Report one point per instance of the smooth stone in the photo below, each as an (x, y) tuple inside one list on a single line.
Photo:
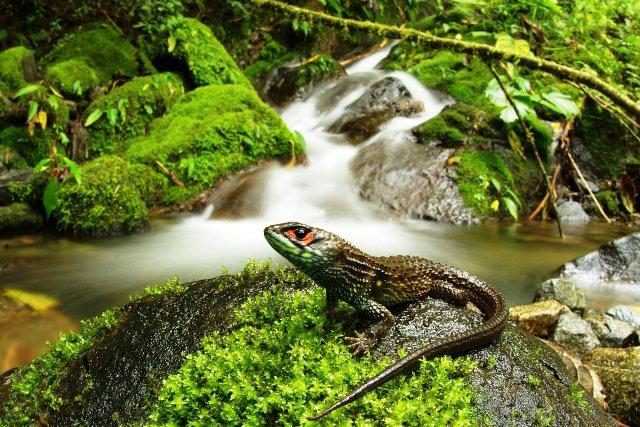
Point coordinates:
[(539, 318), (575, 333), (562, 290)]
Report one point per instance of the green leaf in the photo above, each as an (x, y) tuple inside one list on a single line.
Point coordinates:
[(514, 197), (50, 197), (511, 207), (53, 102), (148, 109), (122, 107), (26, 90), (112, 116), (560, 103), (42, 164), (506, 42), (496, 184), (74, 169), (93, 117), (33, 109), (171, 41)]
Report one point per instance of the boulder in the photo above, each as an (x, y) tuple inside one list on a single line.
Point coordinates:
[(575, 333), (617, 261), (570, 211), (626, 314), (562, 290), (539, 318), (610, 331), (619, 369), (18, 218), (10, 182), (17, 69), (384, 100), (122, 375), (411, 180)]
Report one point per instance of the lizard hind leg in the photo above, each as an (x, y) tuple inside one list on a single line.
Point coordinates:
[(361, 343)]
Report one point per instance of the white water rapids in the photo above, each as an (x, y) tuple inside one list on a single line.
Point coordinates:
[(89, 276)]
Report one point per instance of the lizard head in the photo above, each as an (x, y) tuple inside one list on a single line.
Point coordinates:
[(305, 246)]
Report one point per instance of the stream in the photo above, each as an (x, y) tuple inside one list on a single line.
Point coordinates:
[(88, 276)]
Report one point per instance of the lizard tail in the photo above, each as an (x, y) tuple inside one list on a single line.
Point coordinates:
[(475, 337)]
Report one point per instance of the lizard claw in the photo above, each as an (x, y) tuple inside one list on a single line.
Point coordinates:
[(361, 343)]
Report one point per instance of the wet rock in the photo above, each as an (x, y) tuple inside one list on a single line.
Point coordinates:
[(575, 333), (619, 369), (617, 261), (18, 218), (330, 97), (515, 377), (539, 318), (296, 79), (411, 180), (570, 211), (562, 290), (626, 314), (383, 101), (9, 181), (621, 334)]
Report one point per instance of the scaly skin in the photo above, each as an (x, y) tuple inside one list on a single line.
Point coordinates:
[(371, 284)]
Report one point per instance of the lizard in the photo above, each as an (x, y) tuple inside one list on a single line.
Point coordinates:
[(371, 284)]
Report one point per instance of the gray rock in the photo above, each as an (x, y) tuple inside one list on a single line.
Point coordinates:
[(383, 101), (411, 180), (621, 334), (120, 373), (574, 332), (617, 261), (626, 314), (570, 211), (562, 290)]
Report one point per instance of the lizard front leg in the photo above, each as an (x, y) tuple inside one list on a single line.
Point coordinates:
[(363, 342)]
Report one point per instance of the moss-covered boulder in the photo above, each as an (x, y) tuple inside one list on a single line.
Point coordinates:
[(256, 348), (111, 198), (127, 111), (211, 132), (18, 218), (17, 68), (32, 148), (11, 159), (90, 56), (207, 60)]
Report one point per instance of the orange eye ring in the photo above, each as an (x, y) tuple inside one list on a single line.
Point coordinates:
[(305, 239)]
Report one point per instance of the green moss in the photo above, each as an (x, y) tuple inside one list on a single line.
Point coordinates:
[(211, 132), (98, 53), (11, 158), (610, 202), (12, 68), (18, 218), (284, 363), (533, 381), (128, 110), (65, 74), (475, 171), (32, 387), (31, 148), (110, 199), (577, 394), (206, 58)]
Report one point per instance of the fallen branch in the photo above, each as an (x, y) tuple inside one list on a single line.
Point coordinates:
[(172, 176), (484, 51), (585, 185)]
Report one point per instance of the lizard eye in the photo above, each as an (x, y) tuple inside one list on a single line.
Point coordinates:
[(301, 234)]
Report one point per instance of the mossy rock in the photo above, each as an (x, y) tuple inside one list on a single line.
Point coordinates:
[(610, 202), (11, 158), (256, 348), (17, 69), (110, 199), (207, 60), (31, 148), (211, 132), (128, 110), (92, 56), (18, 218)]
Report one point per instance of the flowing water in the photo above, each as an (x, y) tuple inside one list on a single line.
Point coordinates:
[(90, 275)]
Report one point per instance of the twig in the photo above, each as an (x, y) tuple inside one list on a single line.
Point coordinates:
[(529, 137), (545, 199), (584, 182), (172, 176), (110, 20)]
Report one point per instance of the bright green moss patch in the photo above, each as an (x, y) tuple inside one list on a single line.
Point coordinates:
[(13, 63), (128, 110), (92, 56), (33, 387), (110, 199), (284, 363), (211, 132), (206, 58), (475, 171), (609, 201)]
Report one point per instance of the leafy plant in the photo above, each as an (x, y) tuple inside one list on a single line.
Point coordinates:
[(41, 98), (59, 168)]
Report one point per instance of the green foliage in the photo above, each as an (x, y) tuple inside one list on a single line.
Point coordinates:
[(17, 218), (31, 148), (90, 56), (211, 132), (12, 68), (172, 285), (110, 199), (486, 183), (317, 69), (32, 387), (207, 60), (60, 169), (610, 202), (283, 363), (126, 111)]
